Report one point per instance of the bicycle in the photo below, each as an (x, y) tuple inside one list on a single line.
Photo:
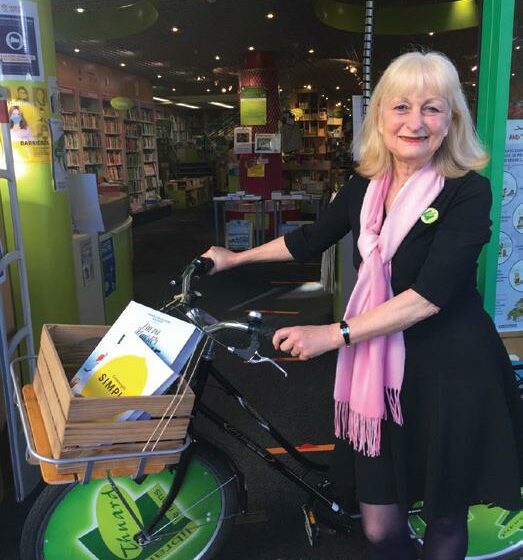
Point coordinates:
[(186, 512)]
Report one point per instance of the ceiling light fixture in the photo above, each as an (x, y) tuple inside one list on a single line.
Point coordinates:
[(218, 104), (311, 51), (173, 89), (208, 90), (518, 47), (431, 33), (270, 15), (163, 100), (251, 48), (217, 57), (199, 79), (337, 87), (76, 50), (158, 75), (224, 90), (175, 29), (122, 63), (308, 86), (473, 85), (352, 69), (229, 88), (474, 68), (80, 10), (187, 105)]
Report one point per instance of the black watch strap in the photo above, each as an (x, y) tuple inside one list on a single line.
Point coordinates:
[(345, 331)]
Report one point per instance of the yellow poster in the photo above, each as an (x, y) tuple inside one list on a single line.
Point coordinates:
[(28, 111), (255, 169)]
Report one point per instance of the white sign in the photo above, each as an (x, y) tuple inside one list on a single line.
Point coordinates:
[(243, 140), (509, 282), (20, 48), (267, 143)]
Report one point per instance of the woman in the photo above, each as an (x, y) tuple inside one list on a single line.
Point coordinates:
[(18, 125), (425, 395)]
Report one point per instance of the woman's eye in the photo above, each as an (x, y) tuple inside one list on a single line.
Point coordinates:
[(401, 107), (432, 109)]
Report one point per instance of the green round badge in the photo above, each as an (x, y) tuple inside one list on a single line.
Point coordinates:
[(429, 216)]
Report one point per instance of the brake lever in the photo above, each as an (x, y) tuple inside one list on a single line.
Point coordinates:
[(257, 359)]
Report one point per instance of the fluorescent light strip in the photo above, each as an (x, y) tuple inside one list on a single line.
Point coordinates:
[(218, 104), (163, 100), (187, 105)]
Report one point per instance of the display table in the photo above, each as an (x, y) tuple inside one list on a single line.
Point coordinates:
[(219, 203), (277, 198)]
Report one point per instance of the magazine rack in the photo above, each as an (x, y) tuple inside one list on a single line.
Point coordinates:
[(79, 438)]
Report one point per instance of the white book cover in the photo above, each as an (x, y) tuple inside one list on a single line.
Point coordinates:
[(173, 340)]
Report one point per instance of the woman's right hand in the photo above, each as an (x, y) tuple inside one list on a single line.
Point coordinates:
[(223, 258)]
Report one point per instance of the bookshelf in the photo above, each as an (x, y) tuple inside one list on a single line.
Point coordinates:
[(114, 159), (71, 131)]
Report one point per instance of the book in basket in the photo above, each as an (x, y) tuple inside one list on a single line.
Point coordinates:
[(173, 340), (129, 368)]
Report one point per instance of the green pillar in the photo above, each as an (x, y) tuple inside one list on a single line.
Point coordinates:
[(494, 78), (45, 215)]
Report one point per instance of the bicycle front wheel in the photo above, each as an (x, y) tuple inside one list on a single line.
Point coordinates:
[(89, 521)]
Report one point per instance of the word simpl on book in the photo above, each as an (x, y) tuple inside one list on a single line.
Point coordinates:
[(143, 353)]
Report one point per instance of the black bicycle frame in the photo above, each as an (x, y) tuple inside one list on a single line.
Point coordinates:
[(204, 369)]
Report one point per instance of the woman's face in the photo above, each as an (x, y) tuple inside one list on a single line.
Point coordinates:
[(414, 126)]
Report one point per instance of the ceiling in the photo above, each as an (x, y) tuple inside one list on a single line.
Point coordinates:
[(186, 60)]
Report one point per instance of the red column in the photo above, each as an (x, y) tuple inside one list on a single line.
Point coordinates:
[(259, 70)]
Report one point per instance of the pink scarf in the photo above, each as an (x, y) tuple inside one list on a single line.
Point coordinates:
[(368, 371)]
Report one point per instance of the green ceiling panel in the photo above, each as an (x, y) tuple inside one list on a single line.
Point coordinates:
[(400, 20), (107, 23)]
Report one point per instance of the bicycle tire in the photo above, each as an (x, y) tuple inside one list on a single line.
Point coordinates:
[(202, 525)]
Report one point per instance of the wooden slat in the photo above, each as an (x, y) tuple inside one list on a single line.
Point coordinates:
[(57, 415), (42, 445), (154, 464), (119, 448), (55, 368), (91, 433), (83, 409), (47, 418)]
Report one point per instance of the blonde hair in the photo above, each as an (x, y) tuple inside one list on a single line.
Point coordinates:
[(460, 151)]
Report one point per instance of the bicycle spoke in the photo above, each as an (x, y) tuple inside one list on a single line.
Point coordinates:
[(183, 512)]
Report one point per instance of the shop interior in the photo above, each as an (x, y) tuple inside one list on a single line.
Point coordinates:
[(190, 123)]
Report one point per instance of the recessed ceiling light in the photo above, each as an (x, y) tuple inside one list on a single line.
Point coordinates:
[(163, 100), (224, 90), (431, 33), (270, 15), (158, 75), (175, 29), (251, 48), (337, 87), (80, 10), (311, 51), (326, 98), (76, 50), (122, 63), (217, 57), (309, 86), (518, 47), (473, 85), (513, 74), (199, 79), (474, 68), (173, 89), (229, 88), (208, 90), (352, 69)]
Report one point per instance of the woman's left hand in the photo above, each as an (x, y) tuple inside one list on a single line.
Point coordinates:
[(308, 341)]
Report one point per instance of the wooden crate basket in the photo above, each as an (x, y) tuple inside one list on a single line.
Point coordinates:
[(81, 426)]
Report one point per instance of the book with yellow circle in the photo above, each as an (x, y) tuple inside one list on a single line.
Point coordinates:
[(130, 368)]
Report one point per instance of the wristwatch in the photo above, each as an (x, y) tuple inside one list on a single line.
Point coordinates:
[(345, 332)]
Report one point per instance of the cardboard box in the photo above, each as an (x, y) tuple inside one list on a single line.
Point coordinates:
[(80, 426)]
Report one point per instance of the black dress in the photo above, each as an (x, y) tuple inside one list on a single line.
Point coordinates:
[(462, 438)]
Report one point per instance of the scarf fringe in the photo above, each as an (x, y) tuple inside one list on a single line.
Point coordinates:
[(363, 432), (393, 398)]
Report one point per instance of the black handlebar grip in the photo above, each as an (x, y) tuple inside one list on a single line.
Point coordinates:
[(266, 331), (203, 265)]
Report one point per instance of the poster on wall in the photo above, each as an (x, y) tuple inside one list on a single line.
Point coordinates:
[(58, 163), (253, 106), (243, 140), (108, 265), (509, 281), (28, 108), (266, 143), (20, 48)]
